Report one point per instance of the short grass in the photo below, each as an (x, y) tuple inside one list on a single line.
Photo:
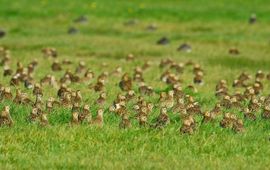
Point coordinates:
[(211, 27)]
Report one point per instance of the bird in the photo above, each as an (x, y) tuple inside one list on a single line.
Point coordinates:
[(259, 75), (126, 83), (152, 27), (34, 114), (15, 80), (138, 74), (44, 119), (56, 66), (163, 41), (85, 114), (184, 47), (66, 100), (266, 112), (75, 118), (51, 102), (102, 98), (145, 90), (258, 87), (222, 84), (81, 19), (216, 110), (28, 83), (252, 19), (178, 91), (131, 22), (188, 126), (167, 99), (226, 102), (238, 83), (254, 105), (6, 93), (163, 119), (48, 79), (62, 90), (147, 64), (72, 30), (81, 67), (234, 51), (7, 71), (74, 78), (130, 95), (268, 76), (77, 96), (249, 93), (5, 117), (98, 121), (125, 122), (2, 33), (207, 117), (21, 98), (49, 52), (88, 75), (143, 120), (226, 121), (99, 86), (179, 106), (117, 71), (238, 126), (75, 107), (235, 103), (198, 79), (249, 115), (165, 62), (66, 79), (130, 57), (5, 59), (37, 90)]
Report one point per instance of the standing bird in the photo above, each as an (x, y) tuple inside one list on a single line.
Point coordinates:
[(85, 114), (238, 126), (207, 117), (2, 33), (188, 126), (34, 114), (75, 118), (102, 98), (126, 83), (5, 118), (98, 121), (249, 115), (252, 19), (266, 112), (226, 121), (44, 119), (125, 122), (167, 99), (49, 52), (163, 119)]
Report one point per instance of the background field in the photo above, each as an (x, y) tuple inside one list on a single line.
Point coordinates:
[(210, 27)]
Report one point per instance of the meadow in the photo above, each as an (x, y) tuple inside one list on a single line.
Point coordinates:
[(112, 31)]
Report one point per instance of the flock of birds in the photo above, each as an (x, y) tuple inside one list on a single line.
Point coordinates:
[(247, 97)]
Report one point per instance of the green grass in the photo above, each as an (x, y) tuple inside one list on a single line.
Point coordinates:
[(210, 27)]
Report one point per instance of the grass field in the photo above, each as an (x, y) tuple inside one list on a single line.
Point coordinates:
[(210, 27)]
